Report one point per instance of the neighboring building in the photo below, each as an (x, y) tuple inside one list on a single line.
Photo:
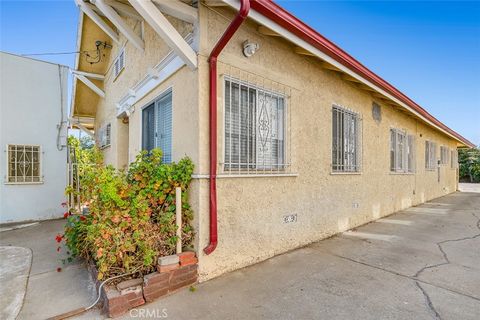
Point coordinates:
[(310, 142), (33, 130)]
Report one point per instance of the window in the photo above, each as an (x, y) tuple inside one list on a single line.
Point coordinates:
[(24, 164), (402, 151), (454, 159), (104, 136), (254, 128), (443, 155), (346, 145), (430, 155), (157, 126), (119, 63)]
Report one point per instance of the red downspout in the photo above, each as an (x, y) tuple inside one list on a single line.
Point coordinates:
[(227, 35)]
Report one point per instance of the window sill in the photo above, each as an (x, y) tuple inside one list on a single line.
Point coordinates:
[(402, 173), (23, 183), (245, 175), (336, 173)]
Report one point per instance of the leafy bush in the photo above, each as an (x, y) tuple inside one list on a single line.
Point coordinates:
[(131, 220), (469, 161)]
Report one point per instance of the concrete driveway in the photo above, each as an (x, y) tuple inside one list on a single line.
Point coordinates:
[(420, 263)]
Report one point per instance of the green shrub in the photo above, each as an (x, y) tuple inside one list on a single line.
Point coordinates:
[(131, 220), (469, 162)]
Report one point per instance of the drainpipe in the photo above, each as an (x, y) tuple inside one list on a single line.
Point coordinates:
[(212, 60)]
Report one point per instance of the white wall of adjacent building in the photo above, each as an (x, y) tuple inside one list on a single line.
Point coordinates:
[(33, 104)]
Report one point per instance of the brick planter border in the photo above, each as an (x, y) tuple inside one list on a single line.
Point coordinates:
[(117, 300)]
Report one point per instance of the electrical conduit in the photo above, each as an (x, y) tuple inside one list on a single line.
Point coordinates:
[(212, 60)]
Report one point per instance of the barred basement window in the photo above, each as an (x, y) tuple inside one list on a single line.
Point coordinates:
[(255, 124), (346, 144), (24, 164), (402, 151), (454, 159), (104, 136), (430, 155), (443, 155)]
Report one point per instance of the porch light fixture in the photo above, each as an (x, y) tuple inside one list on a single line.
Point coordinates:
[(249, 48)]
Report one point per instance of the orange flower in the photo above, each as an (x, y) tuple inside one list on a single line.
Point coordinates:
[(99, 252)]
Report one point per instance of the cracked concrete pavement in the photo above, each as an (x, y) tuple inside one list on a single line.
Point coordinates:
[(419, 263)]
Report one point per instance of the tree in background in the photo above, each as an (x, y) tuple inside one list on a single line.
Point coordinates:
[(86, 142), (469, 161)]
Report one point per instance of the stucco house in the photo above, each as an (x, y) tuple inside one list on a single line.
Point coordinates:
[(293, 139), (33, 132)]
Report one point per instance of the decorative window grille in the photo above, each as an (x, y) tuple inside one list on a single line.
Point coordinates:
[(454, 159), (24, 164), (430, 155), (402, 151), (443, 155), (119, 63), (346, 144), (255, 129), (104, 136)]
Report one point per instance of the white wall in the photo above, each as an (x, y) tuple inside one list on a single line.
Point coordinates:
[(30, 110)]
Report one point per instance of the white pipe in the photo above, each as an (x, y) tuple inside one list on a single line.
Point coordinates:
[(178, 216)]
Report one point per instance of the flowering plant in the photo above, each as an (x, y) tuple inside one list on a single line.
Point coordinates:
[(131, 220)]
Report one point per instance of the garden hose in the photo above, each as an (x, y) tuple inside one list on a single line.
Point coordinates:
[(83, 309)]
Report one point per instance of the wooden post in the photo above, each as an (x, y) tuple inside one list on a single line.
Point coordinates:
[(178, 214)]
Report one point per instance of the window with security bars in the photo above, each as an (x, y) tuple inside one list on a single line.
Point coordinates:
[(443, 155), (24, 164), (430, 155), (402, 151), (254, 129), (346, 144), (105, 136), (454, 159)]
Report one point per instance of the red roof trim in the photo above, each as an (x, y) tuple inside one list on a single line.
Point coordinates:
[(285, 19)]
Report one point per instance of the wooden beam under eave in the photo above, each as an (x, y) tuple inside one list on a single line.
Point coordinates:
[(350, 78), (215, 3), (267, 32), (161, 25), (300, 50), (87, 9), (328, 66), (121, 25), (91, 85), (178, 9)]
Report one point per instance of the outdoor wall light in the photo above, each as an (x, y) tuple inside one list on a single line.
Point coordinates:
[(249, 48)]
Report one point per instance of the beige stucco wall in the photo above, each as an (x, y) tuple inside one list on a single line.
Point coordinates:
[(126, 137), (251, 209)]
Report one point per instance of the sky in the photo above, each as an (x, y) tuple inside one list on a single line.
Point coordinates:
[(429, 50)]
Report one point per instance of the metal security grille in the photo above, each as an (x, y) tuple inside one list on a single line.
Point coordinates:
[(430, 155), (23, 164), (402, 151), (454, 159), (104, 136), (346, 144), (255, 121), (444, 155)]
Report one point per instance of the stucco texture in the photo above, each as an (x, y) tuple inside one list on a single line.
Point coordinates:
[(251, 210)]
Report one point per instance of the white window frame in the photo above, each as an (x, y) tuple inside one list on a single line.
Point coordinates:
[(40, 164), (119, 64), (444, 151), (105, 136), (342, 160), (257, 166), (430, 155), (402, 150)]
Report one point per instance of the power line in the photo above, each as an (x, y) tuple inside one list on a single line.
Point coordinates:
[(55, 53)]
